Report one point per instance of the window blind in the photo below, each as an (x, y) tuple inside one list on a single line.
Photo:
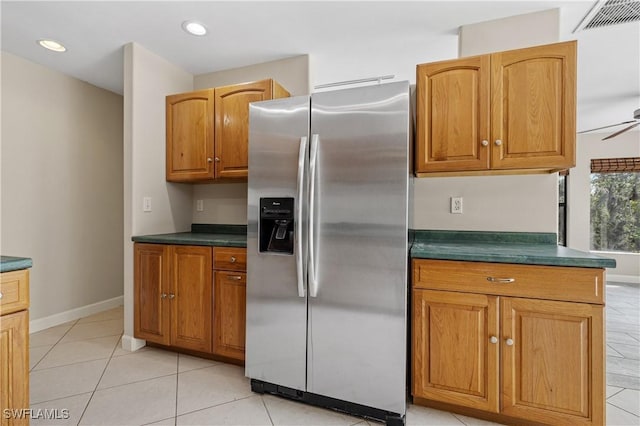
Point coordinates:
[(615, 165)]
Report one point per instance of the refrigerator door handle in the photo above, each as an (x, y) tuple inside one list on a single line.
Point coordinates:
[(313, 163), (302, 154)]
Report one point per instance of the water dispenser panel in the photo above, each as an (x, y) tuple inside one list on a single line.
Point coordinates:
[(276, 225)]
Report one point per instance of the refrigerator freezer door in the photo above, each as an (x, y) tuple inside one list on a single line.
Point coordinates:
[(357, 319), (276, 298)]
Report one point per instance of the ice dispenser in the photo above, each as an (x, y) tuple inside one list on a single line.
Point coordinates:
[(276, 225)]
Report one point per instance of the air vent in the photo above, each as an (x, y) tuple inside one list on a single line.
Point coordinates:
[(614, 12)]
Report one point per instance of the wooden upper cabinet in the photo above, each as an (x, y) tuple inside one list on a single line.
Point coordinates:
[(190, 133), (208, 131), (534, 107), (232, 124), (453, 110), (508, 111)]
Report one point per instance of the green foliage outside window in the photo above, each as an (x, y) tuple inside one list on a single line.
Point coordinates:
[(615, 212)]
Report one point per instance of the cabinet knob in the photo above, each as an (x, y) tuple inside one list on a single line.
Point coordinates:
[(493, 339), (217, 159), (509, 342), (0, 295), (498, 142), (233, 259), (209, 160), (484, 142), (163, 296), (172, 296)]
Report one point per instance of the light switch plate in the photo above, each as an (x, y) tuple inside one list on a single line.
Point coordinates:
[(146, 204), (199, 205)]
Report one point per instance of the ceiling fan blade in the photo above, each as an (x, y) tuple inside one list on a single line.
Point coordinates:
[(621, 131), (606, 127)]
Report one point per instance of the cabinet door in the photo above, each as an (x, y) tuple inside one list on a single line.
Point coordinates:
[(454, 358), (230, 314), (191, 297), (232, 126), (14, 365), (553, 369), (534, 107), (453, 115), (151, 288), (190, 136)]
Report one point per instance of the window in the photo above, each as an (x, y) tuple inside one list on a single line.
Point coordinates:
[(615, 204), (562, 207)]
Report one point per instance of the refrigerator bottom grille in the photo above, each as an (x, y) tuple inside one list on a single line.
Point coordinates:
[(389, 418)]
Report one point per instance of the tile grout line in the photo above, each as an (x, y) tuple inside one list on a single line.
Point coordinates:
[(55, 344), (456, 417), (98, 382), (267, 409), (623, 409), (213, 406), (175, 412), (620, 390)]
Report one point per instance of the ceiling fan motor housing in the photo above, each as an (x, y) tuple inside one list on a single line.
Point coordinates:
[(636, 114)]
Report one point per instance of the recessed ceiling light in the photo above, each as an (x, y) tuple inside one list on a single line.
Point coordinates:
[(52, 45), (194, 28)]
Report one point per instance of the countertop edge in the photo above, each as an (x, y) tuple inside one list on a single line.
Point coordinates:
[(9, 263)]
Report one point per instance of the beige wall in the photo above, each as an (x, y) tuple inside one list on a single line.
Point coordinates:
[(61, 185), (590, 146), (148, 80)]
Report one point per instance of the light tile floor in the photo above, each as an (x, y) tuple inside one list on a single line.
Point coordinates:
[(80, 367)]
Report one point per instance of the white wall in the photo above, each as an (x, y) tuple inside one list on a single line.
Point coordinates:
[(509, 33), (61, 186), (590, 146), (226, 203), (148, 79)]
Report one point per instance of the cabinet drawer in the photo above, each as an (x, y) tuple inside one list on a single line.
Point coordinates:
[(230, 258), (14, 288), (538, 282)]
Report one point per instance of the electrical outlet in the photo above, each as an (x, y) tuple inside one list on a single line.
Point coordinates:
[(146, 204), (199, 205), (456, 205)]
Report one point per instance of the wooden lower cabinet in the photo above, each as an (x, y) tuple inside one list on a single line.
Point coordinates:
[(173, 295), (230, 302), (14, 366), (453, 361), (191, 297), (535, 360), (230, 313)]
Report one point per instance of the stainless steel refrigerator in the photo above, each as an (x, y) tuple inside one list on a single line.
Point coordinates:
[(327, 249)]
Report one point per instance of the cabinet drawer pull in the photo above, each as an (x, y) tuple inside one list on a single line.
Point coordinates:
[(233, 259), (509, 342), (493, 339), (235, 277), (501, 280)]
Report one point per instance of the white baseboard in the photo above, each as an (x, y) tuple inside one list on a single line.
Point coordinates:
[(131, 344), (633, 279), (74, 314)]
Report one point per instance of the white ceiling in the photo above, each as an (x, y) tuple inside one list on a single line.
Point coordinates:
[(244, 33)]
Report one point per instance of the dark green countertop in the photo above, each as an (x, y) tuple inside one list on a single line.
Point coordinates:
[(201, 235), (502, 247), (10, 263)]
